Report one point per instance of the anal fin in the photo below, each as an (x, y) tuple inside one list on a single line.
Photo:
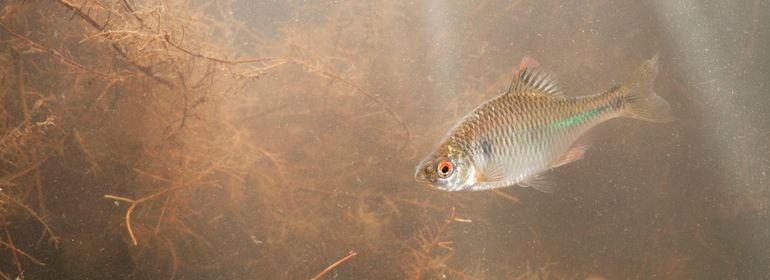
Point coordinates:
[(576, 152)]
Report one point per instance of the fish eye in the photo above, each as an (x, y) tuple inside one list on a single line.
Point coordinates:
[(444, 169)]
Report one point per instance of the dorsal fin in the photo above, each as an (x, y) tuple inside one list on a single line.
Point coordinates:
[(528, 62), (532, 79)]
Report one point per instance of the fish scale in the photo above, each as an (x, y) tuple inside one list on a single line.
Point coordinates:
[(550, 119), (530, 128)]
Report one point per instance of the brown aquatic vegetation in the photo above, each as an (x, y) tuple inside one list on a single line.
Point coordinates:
[(203, 143), (335, 264), (168, 88), (426, 261), (199, 167)]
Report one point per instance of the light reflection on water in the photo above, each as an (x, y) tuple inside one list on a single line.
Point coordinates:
[(278, 167)]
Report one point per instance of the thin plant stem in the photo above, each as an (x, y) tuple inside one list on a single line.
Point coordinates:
[(320, 275)]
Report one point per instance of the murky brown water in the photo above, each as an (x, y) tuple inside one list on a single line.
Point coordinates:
[(240, 140)]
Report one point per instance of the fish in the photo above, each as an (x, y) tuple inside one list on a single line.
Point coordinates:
[(517, 137)]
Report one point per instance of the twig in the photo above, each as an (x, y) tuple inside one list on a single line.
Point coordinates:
[(309, 68), (90, 159), (162, 212), (128, 215), (80, 13), (118, 48), (346, 258), (20, 84), (332, 76), (16, 137), (151, 176), (435, 242), (56, 53), (108, 33), (174, 257), (509, 197), (167, 38), (30, 168), (153, 196), (131, 11), (40, 197), (25, 254), (440, 234), (15, 256), (53, 237), (11, 9)]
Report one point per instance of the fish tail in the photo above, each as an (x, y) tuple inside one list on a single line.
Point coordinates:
[(639, 100)]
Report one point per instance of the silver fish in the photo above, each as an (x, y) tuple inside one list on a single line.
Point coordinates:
[(515, 137)]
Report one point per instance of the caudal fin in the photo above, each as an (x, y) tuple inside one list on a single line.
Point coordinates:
[(641, 102)]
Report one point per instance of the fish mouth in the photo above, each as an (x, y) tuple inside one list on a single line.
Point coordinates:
[(419, 175), (423, 180), (434, 186)]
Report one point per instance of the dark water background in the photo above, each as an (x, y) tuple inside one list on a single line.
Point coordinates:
[(276, 169)]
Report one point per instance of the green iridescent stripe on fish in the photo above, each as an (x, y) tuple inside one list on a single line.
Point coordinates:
[(514, 138), (579, 118)]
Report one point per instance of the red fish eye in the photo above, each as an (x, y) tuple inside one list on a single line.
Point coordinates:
[(444, 168)]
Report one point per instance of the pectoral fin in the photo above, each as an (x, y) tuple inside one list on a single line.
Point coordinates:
[(540, 182), (490, 173)]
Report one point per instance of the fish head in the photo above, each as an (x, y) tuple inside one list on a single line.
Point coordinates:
[(446, 172)]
